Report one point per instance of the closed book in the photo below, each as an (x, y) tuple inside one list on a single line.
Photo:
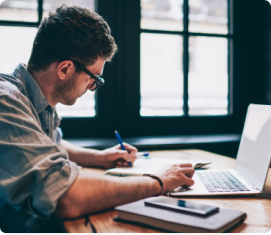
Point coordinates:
[(175, 221)]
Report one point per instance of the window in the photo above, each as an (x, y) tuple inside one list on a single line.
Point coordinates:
[(24, 11), (15, 46), (18, 26), (172, 74), (163, 80), (184, 57)]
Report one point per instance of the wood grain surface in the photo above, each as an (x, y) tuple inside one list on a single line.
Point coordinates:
[(258, 208)]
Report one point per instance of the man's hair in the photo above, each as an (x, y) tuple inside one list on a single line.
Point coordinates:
[(71, 32)]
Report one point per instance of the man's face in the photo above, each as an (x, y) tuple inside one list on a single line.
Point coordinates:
[(78, 84)]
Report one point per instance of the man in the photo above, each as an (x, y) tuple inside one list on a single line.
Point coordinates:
[(39, 174)]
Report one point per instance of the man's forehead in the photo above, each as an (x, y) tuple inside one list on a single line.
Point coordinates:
[(97, 67)]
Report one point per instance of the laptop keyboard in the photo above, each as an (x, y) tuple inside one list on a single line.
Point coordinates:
[(223, 181)]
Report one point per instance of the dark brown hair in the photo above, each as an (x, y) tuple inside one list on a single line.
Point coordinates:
[(71, 32)]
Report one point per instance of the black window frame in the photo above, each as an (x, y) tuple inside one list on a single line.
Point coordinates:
[(128, 120), (118, 101), (186, 34), (26, 23)]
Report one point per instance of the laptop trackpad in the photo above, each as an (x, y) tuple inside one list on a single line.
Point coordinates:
[(181, 189)]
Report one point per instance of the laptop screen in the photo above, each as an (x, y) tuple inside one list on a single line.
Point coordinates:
[(253, 157)]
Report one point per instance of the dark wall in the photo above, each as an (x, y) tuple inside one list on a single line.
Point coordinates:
[(251, 63), (252, 52)]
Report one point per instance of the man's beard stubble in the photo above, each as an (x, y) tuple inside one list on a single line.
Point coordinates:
[(65, 91)]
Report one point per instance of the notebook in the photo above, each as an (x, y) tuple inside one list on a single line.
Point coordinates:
[(150, 166), (138, 212), (252, 164)]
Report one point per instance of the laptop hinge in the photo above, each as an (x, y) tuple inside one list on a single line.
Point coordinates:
[(251, 185), (256, 188)]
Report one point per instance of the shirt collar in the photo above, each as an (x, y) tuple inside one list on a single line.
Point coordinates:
[(34, 93)]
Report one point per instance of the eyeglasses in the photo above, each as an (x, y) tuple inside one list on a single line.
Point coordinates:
[(98, 80)]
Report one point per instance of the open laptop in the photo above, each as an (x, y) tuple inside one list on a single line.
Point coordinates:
[(252, 164)]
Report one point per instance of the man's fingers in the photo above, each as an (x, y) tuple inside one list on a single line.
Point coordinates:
[(122, 163), (133, 159), (189, 172), (187, 182), (125, 156), (185, 165), (129, 148), (128, 157), (130, 153)]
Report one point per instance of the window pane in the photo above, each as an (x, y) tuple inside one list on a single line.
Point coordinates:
[(15, 46), (161, 75), (19, 10), (208, 76), (162, 14), (208, 16), (85, 105), (51, 5)]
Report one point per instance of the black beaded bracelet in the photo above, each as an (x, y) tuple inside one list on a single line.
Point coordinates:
[(158, 179)]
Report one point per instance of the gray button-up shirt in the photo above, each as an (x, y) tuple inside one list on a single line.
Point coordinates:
[(32, 164)]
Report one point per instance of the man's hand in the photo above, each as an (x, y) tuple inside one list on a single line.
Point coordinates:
[(176, 175), (115, 156), (107, 158)]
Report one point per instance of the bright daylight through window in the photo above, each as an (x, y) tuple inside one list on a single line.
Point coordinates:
[(16, 43), (169, 44)]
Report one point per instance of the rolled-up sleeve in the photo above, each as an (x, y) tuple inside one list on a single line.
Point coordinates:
[(31, 165)]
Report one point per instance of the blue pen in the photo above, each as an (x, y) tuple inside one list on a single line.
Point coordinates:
[(121, 144), (143, 154)]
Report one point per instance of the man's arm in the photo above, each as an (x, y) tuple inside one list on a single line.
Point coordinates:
[(107, 158), (31, 165), (91, 193)]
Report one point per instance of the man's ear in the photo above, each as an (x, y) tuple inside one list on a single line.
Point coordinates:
[(65, 69)]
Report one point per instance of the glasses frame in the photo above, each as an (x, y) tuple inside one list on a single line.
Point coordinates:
[(99, 81)]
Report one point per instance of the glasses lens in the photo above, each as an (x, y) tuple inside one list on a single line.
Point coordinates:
[(95, 85), (98, 86)]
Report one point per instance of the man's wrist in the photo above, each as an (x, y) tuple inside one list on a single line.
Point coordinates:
[(159, 181), (94, 158)]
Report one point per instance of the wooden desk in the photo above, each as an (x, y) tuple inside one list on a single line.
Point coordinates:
[(258, 208)]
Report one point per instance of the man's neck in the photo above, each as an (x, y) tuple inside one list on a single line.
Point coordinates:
[(46, 81)]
